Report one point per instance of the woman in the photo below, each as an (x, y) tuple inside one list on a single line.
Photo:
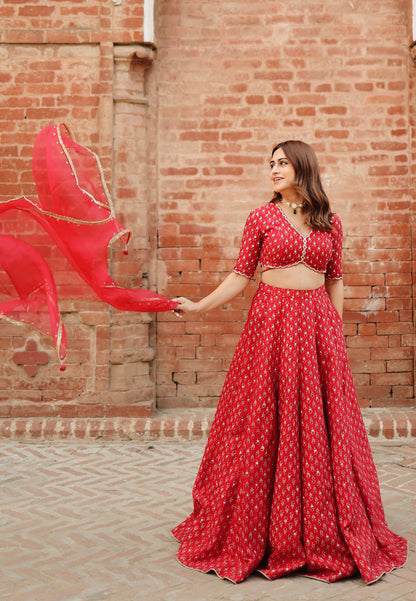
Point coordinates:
[(287, 481)]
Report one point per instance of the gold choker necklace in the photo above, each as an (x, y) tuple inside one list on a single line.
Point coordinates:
[(293, 205)]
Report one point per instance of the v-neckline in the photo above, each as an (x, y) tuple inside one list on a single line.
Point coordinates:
[(292, 224)]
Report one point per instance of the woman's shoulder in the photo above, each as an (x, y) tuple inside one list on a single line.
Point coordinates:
[(336, 221)]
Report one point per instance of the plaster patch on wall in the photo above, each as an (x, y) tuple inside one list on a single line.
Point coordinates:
[(414, 19), (161, 275), (148, 26)]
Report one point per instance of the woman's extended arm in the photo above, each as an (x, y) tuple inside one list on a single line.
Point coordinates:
[(232, 286), (335, 289)]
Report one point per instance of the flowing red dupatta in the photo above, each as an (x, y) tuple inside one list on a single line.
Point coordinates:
[(75, 209)]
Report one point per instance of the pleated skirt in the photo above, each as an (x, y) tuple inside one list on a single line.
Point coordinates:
[(287, 481)]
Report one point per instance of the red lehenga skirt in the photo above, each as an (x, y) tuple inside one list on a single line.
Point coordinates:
[(287, 481)]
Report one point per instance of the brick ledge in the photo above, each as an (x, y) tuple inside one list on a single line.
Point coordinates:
[(178, 425)]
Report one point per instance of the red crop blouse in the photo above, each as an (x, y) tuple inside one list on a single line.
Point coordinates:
[(272, 240)]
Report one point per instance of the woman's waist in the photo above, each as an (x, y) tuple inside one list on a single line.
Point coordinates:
[(297, 277)]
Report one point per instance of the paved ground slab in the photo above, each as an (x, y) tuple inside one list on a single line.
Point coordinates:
[(92, 522)]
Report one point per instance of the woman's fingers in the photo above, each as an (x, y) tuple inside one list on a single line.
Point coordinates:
[(177, 310)]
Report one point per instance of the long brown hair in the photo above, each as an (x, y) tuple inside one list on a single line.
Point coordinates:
[(308, 183)]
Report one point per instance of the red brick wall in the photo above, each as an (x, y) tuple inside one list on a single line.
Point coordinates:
[(70, 21), (184, 133), (234, 77)]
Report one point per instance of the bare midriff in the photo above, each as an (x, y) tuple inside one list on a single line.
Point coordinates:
[(298, 277)]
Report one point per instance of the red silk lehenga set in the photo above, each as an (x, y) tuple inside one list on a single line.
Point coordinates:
[(287, 481)]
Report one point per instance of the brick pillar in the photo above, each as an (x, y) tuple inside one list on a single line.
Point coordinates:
[(130, 351)]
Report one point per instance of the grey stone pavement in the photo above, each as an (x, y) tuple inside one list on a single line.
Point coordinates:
[(91, 522)]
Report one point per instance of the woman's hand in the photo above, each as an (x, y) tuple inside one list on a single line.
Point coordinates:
[(185, 306), (335, 290)]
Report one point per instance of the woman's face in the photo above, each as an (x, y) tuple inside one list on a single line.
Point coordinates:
[(282, 172)]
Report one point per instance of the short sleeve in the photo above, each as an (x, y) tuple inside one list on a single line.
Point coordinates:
[(334, 266), (250, 247)]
